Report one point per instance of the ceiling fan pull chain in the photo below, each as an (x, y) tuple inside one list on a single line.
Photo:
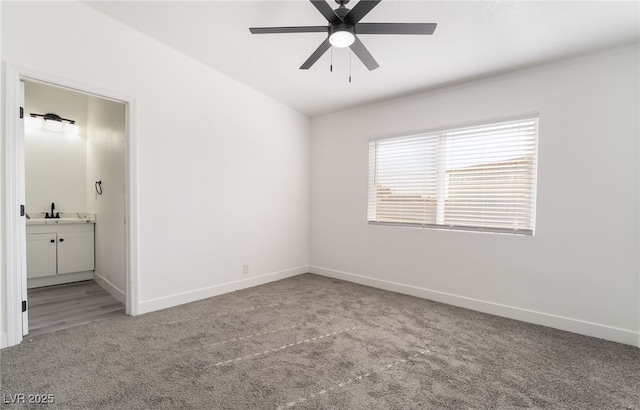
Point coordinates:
[(331, 65), (350, 54)]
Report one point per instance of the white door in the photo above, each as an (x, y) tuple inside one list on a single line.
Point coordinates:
[(22, 228)]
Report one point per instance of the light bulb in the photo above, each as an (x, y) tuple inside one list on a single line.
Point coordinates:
[(71, 129), (53, 125), (34, 122), (342, 39)]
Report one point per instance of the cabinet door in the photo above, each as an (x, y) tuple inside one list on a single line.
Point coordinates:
[(75, 251), (41, 254)]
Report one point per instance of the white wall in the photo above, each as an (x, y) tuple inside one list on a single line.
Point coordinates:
[(579, 272), (55, 162), (106, 162), (223, 171)]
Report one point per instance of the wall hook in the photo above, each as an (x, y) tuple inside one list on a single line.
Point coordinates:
[(99, 187)]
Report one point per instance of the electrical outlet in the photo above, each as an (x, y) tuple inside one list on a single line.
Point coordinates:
[(245, 269)]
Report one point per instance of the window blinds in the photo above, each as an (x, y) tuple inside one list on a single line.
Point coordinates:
[(480, 177)]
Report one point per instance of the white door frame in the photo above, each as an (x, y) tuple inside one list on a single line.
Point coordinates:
[(14, 242)]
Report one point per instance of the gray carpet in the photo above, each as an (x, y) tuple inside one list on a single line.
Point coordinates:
[(313, 342)]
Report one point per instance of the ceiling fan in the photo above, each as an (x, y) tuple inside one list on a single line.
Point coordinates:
[(345, 27)]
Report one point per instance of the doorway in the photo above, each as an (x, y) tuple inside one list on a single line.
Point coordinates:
[(122, 217), (74, 147)]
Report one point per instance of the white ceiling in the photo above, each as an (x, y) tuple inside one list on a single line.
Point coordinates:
[(473, 39)]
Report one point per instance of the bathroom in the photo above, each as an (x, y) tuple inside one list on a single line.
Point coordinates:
[(74, 151)]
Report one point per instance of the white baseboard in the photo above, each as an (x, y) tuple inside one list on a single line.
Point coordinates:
[(187, 297), (614, 334), (112, 289), (59, 279), (4, 341)]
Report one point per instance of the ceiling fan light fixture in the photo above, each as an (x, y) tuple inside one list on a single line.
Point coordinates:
[(342, 39), (342, 35)]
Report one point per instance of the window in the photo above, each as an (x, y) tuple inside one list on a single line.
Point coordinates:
[(480, 177)]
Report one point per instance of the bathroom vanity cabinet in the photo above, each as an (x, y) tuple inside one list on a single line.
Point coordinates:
[(59, 249)]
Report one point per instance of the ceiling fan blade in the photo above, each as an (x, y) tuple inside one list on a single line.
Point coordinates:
[(361, 9), (363, 54), (326, 10), (395, 28), (275, 30), (316, 54)]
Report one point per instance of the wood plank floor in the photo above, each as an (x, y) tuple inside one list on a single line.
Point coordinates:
[(59, 307)]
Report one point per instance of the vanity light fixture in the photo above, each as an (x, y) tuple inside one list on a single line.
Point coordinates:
[(52, 122)]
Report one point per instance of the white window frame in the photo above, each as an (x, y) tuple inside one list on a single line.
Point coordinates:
[(437, 137)]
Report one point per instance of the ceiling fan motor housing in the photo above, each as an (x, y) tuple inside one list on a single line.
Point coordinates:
[(350, 28)]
